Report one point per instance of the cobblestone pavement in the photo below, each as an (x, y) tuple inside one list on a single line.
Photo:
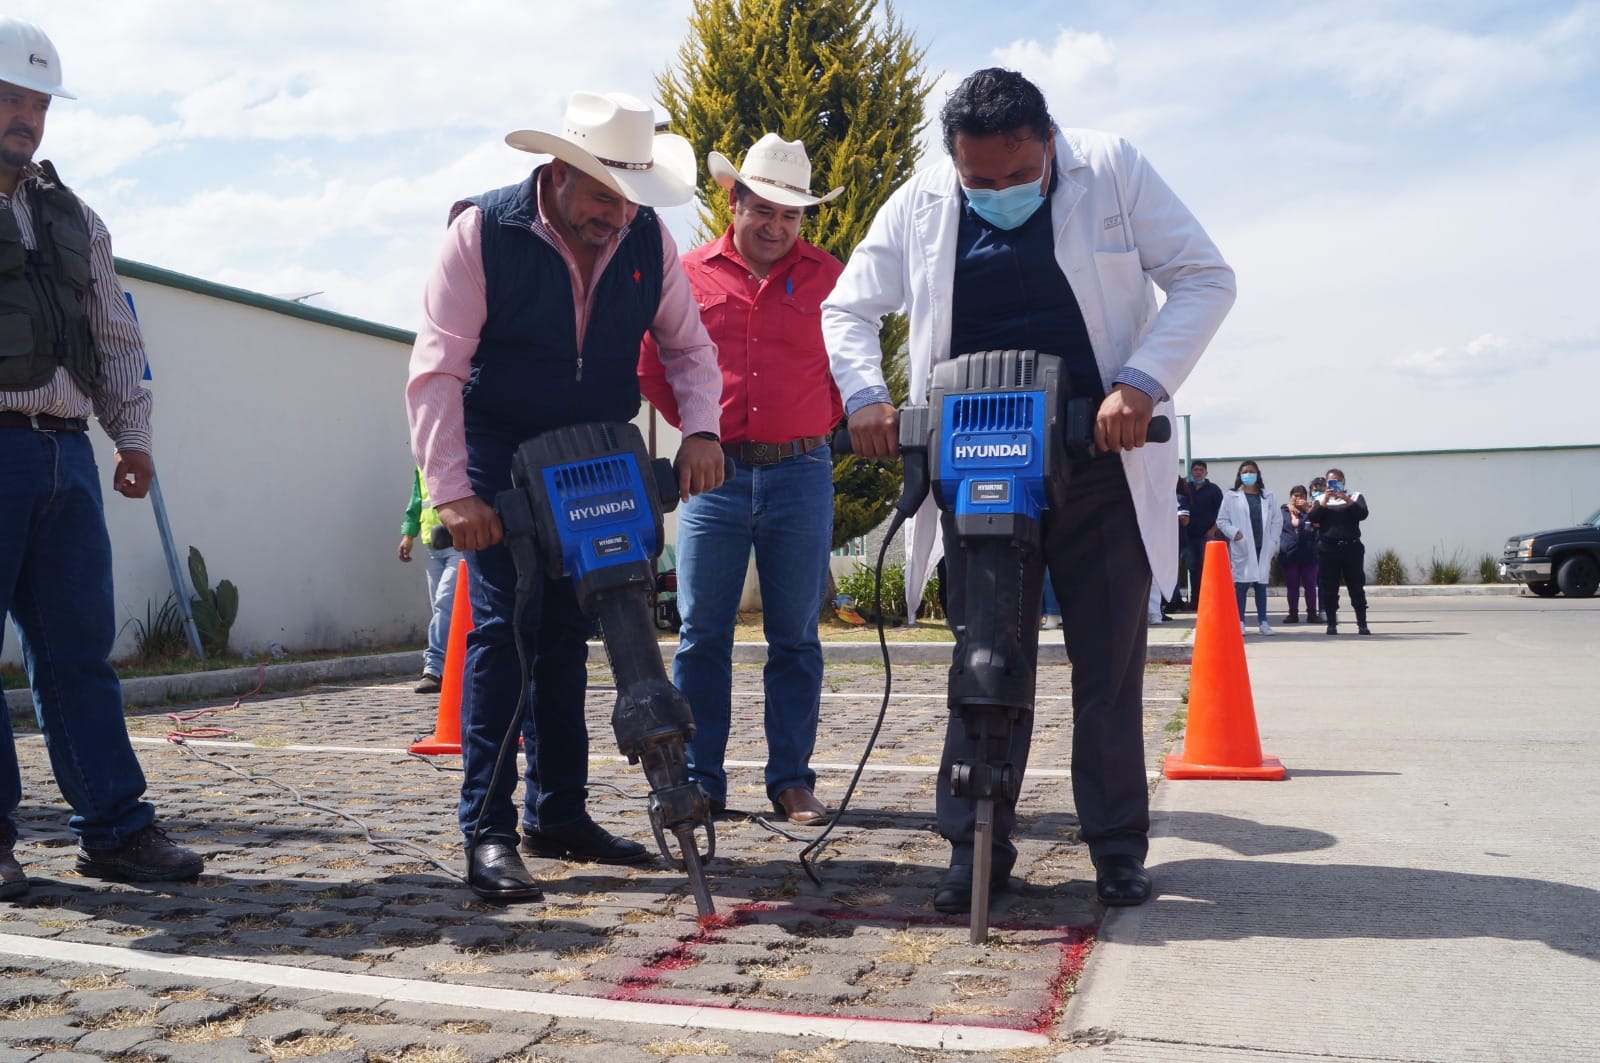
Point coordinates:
[(294, 885)]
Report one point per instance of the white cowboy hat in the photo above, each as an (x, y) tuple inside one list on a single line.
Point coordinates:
[(774, 169), (612, 138)]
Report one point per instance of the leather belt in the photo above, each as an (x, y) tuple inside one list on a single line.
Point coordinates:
[(42, 422), (772, 453)]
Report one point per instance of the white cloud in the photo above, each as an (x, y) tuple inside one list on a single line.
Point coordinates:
[(1433, 70), (1486, 355), (1075, 59)]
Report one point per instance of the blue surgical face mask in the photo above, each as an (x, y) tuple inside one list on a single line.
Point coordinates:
[(1196, 479), (1007, 208), (1248, 479)]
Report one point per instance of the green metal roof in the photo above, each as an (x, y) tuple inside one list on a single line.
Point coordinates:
[(287, 307)]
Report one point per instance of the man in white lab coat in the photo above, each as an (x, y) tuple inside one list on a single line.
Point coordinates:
[(1034, 237)]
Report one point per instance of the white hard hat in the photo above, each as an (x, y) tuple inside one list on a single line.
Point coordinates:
[(28, 59)]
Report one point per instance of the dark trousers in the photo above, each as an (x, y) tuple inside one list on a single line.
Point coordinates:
[(1195, 554), (555, 644), (1098, 569), (55, 581), (1295, 577), (1345, 562)]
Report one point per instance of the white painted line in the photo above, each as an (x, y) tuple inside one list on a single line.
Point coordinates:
[(249, 747), (948, 1036)]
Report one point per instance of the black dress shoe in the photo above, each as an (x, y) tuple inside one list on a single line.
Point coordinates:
[(1121, 880), (585, 840), (954, 892), (148, 856), (495, 873)]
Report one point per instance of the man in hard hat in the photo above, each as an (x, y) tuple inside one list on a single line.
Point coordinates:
[(69, 346), (532, 320), (760, 289)]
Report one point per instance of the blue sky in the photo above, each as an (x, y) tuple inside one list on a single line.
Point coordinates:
[(1407, 190)]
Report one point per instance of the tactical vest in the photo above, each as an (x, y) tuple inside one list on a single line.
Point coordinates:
[(45, 292), (529, 374)]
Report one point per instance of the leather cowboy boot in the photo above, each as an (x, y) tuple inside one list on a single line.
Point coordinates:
[(1361, 623), (1333, 621)]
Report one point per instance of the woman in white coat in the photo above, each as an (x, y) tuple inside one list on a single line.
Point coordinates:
[(1251, 521)]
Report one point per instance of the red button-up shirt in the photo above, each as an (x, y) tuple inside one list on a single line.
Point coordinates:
[(776, 385)]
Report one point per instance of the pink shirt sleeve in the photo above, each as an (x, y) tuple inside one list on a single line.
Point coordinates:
[(688, 356), (454, 307)]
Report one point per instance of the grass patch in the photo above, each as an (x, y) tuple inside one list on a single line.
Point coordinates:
[(688, 1046), (1388, 569), (906, 946), (307, 1046), (1488, 569), (1446, 570)]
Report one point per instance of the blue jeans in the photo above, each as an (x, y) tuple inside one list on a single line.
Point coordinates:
[(1241, 589), (555, 636), (55, 580), (1051, 606), (442, 568), (785, 512)]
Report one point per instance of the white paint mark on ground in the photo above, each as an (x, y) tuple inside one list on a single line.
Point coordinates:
[(947, 1036)]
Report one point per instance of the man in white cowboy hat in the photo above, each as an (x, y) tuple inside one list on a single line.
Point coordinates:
[(71, 347), (532, 320), (760, 288)]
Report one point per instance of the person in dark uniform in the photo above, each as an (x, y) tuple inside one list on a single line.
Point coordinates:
[(1206, 503), (1337, 516)]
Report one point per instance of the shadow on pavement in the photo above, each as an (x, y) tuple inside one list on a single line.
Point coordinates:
[(1227, 900), (1245, 837)]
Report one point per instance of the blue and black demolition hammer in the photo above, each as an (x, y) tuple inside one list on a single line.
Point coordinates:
[(587, 503), (995, 444)]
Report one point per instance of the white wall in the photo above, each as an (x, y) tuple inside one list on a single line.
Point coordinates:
[(1449, 503), (281, 448)]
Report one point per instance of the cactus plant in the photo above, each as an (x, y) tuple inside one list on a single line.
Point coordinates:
[(214, 609)]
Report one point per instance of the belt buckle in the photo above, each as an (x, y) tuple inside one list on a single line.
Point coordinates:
[(763, 453), (33, 419)]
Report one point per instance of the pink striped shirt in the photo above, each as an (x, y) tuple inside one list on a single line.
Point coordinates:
[(455, 307), (120, 402)]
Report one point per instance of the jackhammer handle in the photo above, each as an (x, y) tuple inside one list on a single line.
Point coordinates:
[(1159, 431)]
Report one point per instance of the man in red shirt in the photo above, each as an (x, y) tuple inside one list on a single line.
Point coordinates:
[(759, 288)]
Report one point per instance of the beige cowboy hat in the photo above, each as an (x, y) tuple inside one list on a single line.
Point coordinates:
[(774, 169), (612, 137)]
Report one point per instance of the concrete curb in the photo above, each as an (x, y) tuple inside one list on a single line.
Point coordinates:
[(162, 689)]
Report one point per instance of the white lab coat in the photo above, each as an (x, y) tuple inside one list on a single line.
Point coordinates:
[(1251, 561), (1118, 228)]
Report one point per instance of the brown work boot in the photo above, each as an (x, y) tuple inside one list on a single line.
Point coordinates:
[(13, 883), (148, 856)]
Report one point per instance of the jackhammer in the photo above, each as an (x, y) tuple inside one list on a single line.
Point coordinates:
[(587, 503), (995, 444)]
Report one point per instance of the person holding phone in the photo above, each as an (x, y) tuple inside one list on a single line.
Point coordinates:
[(1337, 516)]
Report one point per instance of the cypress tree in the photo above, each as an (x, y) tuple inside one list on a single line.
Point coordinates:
[(847, 84)]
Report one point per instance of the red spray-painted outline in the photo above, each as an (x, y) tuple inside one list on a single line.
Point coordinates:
[(1076, 944)]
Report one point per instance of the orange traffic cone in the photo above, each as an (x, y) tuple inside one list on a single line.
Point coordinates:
[(446, 737), (1221, 741)]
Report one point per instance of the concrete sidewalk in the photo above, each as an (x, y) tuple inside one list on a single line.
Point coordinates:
[(1420, 889)]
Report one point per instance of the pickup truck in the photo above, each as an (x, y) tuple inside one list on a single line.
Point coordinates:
[(1559, 561)]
